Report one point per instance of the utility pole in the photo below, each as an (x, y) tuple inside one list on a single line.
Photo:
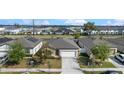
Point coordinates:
[(33, 27)]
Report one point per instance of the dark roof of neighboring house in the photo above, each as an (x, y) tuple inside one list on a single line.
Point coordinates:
[(58, 31), (118, 42), (62, 44), (86, 43), (5, 40), (89, 43), (28, 42), (68, 31)]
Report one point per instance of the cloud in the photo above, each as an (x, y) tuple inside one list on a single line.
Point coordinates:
[(27, 21), (115, 22), (75, 21), (36, 21), (42, 22)]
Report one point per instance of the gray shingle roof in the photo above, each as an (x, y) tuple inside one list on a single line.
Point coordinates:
[(5, 40), (86, 43), (28, 42), (62, 44), (118, 42)]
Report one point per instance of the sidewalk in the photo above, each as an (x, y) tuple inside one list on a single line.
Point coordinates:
[(103, 69), (28, 69)]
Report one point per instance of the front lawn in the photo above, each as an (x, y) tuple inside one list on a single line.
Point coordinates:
[(85, 62), (54, 63), (104, 65)]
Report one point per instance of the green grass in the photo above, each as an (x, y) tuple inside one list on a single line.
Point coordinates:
[(84, 59), (55, 63), (41, 36), (104, 65), (97, 72)]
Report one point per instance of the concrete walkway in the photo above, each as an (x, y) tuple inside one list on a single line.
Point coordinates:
[(28, 70), (103, 69), (70, 66)]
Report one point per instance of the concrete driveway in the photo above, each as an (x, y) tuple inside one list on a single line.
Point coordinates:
[(70, 66), (115, 62)]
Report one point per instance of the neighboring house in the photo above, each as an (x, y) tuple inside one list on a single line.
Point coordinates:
[(112, 30), (13, 31), (59, 32), (2, 30), (106, 30), (68, 32), (30, 44), (118, 42), (45, 32), (4, 48), (86, 44), (64, 47)]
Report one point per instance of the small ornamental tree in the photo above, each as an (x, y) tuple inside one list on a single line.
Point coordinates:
[(101, 52), (44, 53), (16, 52)]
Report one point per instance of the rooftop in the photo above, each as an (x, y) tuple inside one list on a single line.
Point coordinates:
[(62, 44)]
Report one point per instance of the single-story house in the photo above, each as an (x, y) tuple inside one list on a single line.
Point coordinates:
[(4, 48), (106, 30), (59, 32), (118, 42), (64, 47), (2, 30), (86, 44), (68, 32), (30, 44), (46, 32)]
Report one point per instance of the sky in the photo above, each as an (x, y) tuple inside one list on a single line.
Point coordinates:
[(63, 21)]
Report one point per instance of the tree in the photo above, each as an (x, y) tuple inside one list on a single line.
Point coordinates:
[(76, 35), (101, 52), (44, 52), (16, 52), (89, 27)]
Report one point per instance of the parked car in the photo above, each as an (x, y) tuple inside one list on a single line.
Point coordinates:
[(120, 57), (110, 72)]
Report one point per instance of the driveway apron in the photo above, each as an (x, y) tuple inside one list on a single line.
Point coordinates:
[(70, 66)]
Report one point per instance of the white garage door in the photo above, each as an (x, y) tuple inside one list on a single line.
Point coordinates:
[(68, 54)]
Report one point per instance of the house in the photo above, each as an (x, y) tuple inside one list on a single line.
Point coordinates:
[(4, 48), (59, 32), (45, 32), (118, 42), (68, 32), (64, 47), (86, 44), (106, 30), (30, 44), (2, 30)]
